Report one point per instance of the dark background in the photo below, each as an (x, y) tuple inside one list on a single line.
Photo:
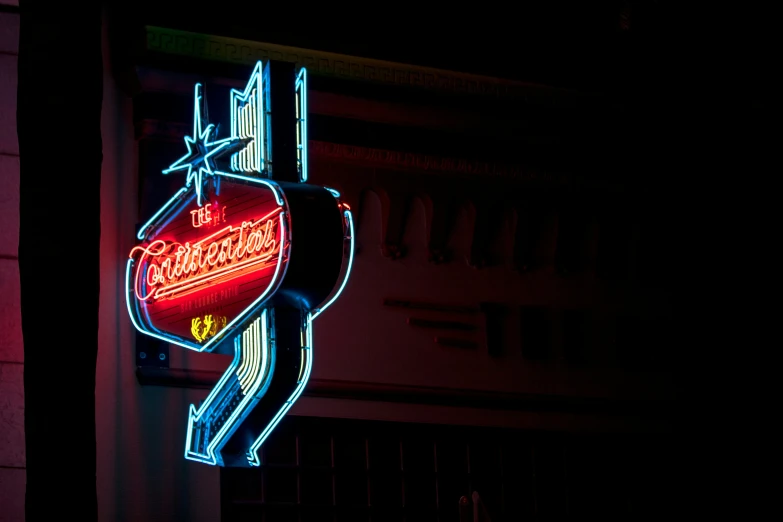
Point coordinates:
[(684, 116)]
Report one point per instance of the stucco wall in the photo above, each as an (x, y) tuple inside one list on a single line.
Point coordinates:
[(12, 448), (142, 474)]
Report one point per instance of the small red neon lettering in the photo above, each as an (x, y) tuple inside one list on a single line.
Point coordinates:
[(201, 216)]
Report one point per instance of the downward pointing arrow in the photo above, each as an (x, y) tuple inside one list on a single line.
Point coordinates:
[(235, 395)]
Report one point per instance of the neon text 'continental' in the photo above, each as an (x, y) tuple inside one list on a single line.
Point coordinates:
[(170, 269)]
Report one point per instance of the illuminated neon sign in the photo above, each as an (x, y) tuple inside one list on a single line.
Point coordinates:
[(241, 260)]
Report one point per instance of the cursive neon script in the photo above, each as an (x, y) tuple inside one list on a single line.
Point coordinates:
[(170, 269)]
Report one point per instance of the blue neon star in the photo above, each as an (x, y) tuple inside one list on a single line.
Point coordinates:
[(202, 147)]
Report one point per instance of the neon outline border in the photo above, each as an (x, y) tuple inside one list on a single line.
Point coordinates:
[(199, 134), (301, 87), (276, 278), (252, 454), (256, 80), (319, 311)]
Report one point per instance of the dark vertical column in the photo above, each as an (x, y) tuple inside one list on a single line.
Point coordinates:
[(280, 79), (494, 314), (59, 127)]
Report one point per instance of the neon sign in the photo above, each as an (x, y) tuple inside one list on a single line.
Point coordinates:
[(247, 112), (241, 260)]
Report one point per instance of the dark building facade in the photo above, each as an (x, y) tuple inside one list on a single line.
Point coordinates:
[(509, 325)]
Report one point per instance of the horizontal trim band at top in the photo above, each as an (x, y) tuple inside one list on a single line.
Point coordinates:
[(323, 63)]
